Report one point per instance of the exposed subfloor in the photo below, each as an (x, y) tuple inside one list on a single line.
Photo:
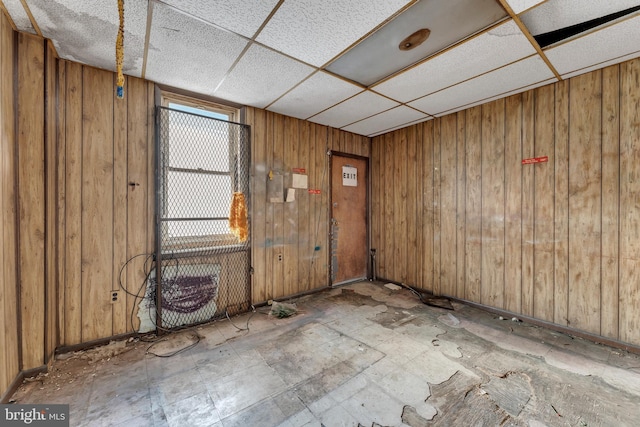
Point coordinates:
[(360, 355)]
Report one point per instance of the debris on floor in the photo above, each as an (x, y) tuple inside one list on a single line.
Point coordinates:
[(359, 355), (40, 377), (95, 354), (449, 320), (392, 286), (438, 302), (411, 417), (282, 309), (511, 391)]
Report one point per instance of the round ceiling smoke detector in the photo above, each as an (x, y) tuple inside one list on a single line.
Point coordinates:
[(415, 39)]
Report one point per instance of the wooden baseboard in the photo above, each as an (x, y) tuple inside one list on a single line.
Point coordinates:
[(99, 342), (18, 380), (598, 339)]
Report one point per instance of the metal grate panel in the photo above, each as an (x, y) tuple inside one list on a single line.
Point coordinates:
[(202, 168)]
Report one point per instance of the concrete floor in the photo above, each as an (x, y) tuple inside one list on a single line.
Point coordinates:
[(360, 355)]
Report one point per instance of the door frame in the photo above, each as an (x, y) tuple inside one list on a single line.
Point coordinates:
[(332, 153)]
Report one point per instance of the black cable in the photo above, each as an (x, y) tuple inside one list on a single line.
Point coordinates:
[(148, 269), (148, 255)]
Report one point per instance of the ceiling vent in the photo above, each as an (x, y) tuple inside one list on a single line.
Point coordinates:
[(422, 30)]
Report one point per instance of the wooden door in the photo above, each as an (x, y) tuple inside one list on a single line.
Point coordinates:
[(349, 242)]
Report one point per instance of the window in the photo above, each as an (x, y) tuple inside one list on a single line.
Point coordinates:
[(203, 161)]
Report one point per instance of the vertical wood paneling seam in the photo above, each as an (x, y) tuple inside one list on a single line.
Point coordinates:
[(602, 151), (465, 290), (113, 198), (63, 300), (522, 203), (61, 244), (533, 206), (437, 177), (553, 208), (568, 284), (465, 280), (45, 148), (80, 216), (553, 216), (327, 208), (504, 205), (481, 206), (464, 217), (61, 235), (457, 207), (16, 172), (619, 274)]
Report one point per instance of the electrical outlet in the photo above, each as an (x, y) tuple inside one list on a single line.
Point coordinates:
[(279, 257), (113, 295)]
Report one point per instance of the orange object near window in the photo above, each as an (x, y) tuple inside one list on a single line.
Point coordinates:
[(238, 217)]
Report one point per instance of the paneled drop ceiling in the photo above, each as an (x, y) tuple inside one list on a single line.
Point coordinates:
[(339, 62)]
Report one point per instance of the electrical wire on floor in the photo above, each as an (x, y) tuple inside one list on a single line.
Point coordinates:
[(156, 342), (246, 328), (434, 301), (413, 291)]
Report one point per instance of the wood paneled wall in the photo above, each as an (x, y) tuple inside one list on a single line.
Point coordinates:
[(70, 217), (453, 209), (297, 231), (456, 212), (77, 200), (106, 199), (29, 260), (9, 342)]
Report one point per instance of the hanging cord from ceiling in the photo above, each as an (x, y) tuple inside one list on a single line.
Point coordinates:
[(120, 52)]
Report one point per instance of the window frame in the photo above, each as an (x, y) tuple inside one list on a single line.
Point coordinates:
[(198, 242)]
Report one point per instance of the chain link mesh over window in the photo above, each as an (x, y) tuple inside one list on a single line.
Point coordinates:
[(203, 267)]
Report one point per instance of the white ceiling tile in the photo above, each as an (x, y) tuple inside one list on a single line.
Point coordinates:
[(188, 53), (506, 79), (386, 120), (502, 95), (557, 14), (426, 119), (242, 17), (316, 31), (519, 5), (357, 108), (488, 51), (614, 61), (86, 31), (315, 94), (603, 45), (19, 16), (262, 76)]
